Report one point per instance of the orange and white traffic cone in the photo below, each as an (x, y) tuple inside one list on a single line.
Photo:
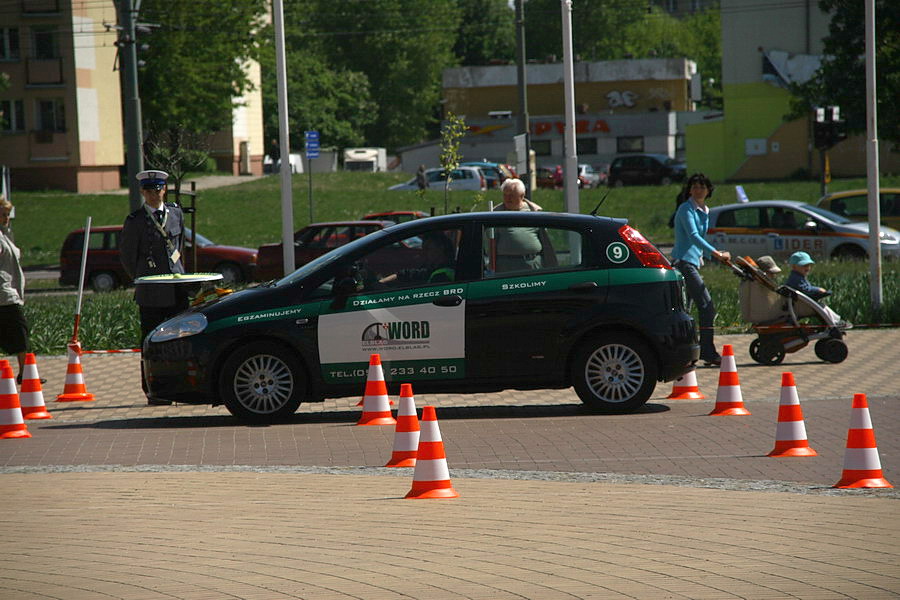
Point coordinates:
[(74, 390), (862, 467), (12, 424), (790, 432), (729, 400), (431, 479), (376, 404), (406, 435), (686, 388), (31, 396)]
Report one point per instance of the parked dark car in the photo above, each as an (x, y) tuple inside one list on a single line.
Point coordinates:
[(645, 169), (312, 241), (602, 310), (104, 271)]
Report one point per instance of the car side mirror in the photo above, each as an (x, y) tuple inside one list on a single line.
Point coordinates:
[(811, 226)]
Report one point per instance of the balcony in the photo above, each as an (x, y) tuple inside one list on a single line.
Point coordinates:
[(44, 71)]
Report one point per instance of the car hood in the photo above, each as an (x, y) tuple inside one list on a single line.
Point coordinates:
[(860, 227)]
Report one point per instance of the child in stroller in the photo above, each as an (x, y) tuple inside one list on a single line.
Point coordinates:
[(775, 312)]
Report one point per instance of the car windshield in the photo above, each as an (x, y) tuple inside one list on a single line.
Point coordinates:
[(328, 258), (834, 217)]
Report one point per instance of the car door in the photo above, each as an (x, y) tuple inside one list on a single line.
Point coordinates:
[(516, 316), (405, 306), (740, 231), (787, 233)]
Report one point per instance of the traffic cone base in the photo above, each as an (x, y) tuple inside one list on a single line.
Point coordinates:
[(31, 395), (858, 479), (792, 451), (686, 388), (729, 401), (74, 390)]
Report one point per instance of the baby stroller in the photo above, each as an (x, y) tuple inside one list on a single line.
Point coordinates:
[(775, 311)]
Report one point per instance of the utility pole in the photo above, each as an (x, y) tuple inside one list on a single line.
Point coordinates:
[(134, 136), (523, 124)]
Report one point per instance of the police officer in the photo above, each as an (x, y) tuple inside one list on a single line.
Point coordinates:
[(151, 242)]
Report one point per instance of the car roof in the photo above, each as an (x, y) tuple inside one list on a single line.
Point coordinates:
[(762, 203), (347, 223), (545, 217), (385, 213), (845, 193), (98, 228)]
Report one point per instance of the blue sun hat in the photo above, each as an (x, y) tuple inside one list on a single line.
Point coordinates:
[(800, 259)]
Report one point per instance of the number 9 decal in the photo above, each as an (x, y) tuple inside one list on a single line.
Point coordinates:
[(617, 252)]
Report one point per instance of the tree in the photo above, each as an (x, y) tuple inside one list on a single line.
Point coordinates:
[(598, 28), (451, 133), (402, 46), (335, 102), (193, 66), (487, 32), (841, 80)]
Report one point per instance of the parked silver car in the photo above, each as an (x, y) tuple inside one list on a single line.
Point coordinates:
[(781, 227), (462, 178)]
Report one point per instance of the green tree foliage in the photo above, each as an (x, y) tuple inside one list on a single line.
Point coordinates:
[(486, 32), (402, 46), (841, 80), (696, 37), (194, 63), (451, 133), (598, 28), (335, 102)]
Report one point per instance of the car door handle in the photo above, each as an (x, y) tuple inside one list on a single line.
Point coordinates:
[(584, 286), (452, 300)]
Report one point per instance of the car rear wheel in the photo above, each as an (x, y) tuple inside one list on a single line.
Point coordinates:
[(262, 382), (849, 252), (231, 273), (103, 281), (614, 372)]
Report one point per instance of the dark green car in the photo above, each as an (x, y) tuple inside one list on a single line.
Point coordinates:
[(474, 302)]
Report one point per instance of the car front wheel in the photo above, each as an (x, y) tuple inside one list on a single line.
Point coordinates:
[(614, 372), (262, 382)]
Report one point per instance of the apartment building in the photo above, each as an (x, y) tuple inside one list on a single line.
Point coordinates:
[(61, 126)]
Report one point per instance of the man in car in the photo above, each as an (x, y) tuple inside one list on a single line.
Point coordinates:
[(519, 248), (150, 244)]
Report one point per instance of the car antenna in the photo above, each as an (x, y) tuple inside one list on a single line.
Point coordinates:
[(596, 208)]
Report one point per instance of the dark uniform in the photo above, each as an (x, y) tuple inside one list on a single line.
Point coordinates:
[(146, 251)]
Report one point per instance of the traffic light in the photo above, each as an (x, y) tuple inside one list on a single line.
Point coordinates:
[(828, 128)]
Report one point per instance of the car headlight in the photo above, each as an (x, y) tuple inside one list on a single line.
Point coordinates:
[(179, 327), (887, 238)]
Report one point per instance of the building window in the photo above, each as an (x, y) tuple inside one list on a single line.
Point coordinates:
[(44, 42), (586, 146), (541, 148), (9, 43), (51, 115), (633, 143), (12, 116)]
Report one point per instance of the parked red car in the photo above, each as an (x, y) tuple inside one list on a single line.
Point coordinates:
[(104, 271), (397, 216), (311, 242)]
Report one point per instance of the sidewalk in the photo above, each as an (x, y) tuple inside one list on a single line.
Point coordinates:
[(117, 499)]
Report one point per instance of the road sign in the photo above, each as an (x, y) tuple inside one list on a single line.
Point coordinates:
[(312, 144)]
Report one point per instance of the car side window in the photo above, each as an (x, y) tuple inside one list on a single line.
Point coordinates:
[(851, 206), (890, 205), (529, 250), (749, 217)]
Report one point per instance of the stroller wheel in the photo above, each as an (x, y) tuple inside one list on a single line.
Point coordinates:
[(766, 352), (831, 350)]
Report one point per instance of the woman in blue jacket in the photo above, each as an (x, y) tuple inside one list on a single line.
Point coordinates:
[(691, 223)]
